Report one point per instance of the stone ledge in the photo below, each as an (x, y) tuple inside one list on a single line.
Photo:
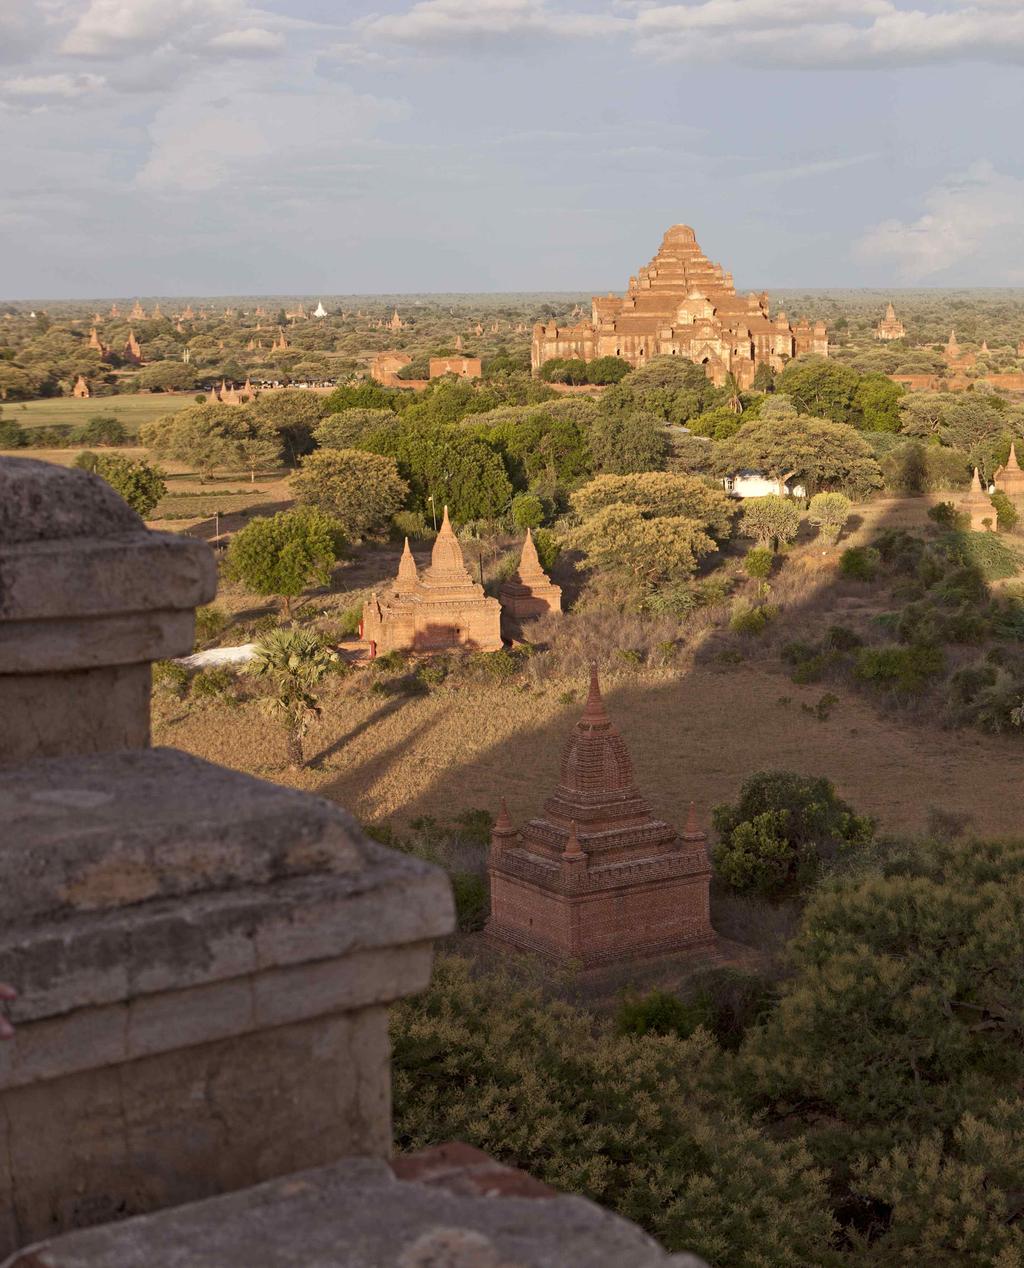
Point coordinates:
[(357, 1214), (150, 900)]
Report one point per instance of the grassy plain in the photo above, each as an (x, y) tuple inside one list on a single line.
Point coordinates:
[(131, 410)]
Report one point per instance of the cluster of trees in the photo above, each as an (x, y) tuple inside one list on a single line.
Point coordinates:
[(600, 371)]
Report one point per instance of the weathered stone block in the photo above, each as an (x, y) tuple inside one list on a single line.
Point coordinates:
[(204, 962)]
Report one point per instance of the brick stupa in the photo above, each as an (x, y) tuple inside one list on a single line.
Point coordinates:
[(680, 304), (978, 506), (440, 609), (529, 592), (1010, 479), (596, 878)]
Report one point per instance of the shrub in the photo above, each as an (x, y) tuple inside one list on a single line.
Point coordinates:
[(171, 677), (360, 491), (842, 639), (758, 563), (859, 563), (350, 621), (412, 524), (946, 515), (212, 684), (904, 670), (527, 511), (753, 619), (140, 485), (472, 900), (780, 831), (829, 511), (209, 623), (657, 1013), (1006, 513), (772, 520)]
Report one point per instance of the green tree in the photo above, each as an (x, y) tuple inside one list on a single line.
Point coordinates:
[(657, 494), (876, 400), (822, 388), (284, 553), (101, 429), (527, 511), (650, 551), (141, 485), (784, 446), (764, 378), (771, 520), (360, 491), (673, 388), (829, 511), (293, 414), (780, 831), (17, 384), (167, 376), (294, 661), (605, 370), (564, 370), (636, 1123), (350, 427), (621, 443)]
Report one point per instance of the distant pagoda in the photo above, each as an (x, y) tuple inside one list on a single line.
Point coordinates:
[(890, 327)]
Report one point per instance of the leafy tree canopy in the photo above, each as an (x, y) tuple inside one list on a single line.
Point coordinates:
[(283, 554), (359, 490)]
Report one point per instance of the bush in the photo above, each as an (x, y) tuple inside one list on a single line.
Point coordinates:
[(906, 671), (170, 677), (141, 485), (859, 563), (527, 511), (781, 830), (946, 515), (11, 435), (657, 1013), (829, 511), (472, 900), (771, 520), (1006, 513), (212, 684), (360, 491), (759, 562), (412, 524), (753, 619), (209, 623)]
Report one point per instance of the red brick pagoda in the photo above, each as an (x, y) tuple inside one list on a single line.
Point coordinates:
[(597, 878)]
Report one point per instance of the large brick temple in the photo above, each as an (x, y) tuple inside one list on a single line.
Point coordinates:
[(596, 878), (683, 305)]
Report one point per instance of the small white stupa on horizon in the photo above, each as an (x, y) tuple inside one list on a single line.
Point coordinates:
[(320, 311)]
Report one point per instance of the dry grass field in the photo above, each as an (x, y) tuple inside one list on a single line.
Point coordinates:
[(696, 733)]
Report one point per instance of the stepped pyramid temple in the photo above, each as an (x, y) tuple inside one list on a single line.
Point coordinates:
[(683, 305), (529, 592), (596, 878), (890, 327), (443, 608)]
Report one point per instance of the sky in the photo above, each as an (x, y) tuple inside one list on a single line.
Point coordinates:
[(221, 147)]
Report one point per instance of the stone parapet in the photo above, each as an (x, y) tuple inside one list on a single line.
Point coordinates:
[(459, 1211), (204, 963), (88, 599)]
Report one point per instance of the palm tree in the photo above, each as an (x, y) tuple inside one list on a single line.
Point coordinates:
[(294, 661), (733, 400)]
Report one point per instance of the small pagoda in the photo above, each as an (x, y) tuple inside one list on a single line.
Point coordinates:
[(597, 878), (529, 592), (442, 608), (977, 505), (1010, 478)]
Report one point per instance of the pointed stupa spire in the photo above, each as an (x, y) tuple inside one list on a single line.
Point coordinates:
[(1011, 462), (407, 574), (529, 560), (503, 823), (693, 832), (573, 851), (594, 711), (976, 481)]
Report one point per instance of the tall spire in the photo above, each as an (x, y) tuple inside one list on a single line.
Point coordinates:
[(447, 565), (976, 481), (693, 832), (529, 560), (1011, 462), (594, 711)]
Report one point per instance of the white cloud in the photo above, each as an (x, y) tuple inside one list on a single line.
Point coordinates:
[(972, 218), (484, 24), (798, 33), (251, 41), (225, 130), (41, 88)]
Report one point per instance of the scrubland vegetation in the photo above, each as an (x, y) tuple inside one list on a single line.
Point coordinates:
[(836, 678)]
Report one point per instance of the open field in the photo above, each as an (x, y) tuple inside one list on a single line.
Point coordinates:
[(696, 734), (132, 411)]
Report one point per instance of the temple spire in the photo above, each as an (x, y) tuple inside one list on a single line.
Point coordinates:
[(573, 851), (594, 711), (1011, 462), (976, 482), (407, 574), (693, 832), (529, 560)]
